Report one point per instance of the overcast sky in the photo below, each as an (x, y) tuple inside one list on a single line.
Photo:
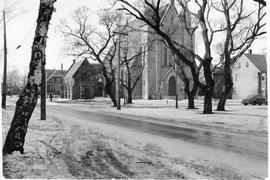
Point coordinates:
[(20, 31)]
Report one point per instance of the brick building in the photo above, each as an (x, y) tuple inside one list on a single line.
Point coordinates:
[(83, 81), (54, 80)]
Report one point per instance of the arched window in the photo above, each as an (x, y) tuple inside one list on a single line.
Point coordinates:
[(172, 85), (164, 62), (247, 64), (239, 65)]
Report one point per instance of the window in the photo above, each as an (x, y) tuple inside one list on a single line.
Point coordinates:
[(262, 77), (239, 65), (247, 64), (51, 88), (164, 56)]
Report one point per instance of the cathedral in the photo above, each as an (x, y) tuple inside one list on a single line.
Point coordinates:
[(159, 80)]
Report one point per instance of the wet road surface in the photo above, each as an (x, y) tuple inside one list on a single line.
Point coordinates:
[(244, 144)]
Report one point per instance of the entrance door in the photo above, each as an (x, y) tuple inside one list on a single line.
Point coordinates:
[(87, 93), (172, 85)]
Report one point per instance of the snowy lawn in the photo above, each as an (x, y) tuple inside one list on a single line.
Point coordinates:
[(57, 149), (236, 118)]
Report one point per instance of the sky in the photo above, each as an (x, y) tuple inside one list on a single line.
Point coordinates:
[(20, 31)]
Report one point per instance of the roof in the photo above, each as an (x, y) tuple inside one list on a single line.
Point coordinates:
[(49, 73), (165, 11), (55, 73), (259, 61), (73, 69)]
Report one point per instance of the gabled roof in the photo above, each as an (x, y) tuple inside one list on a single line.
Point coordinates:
[(49, 73), (258, 60), (166, 10), (54, 73), (73, 69)]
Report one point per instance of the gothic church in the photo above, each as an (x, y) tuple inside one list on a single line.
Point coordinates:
[(158, 79)]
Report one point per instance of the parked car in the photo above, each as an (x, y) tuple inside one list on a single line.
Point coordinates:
[(254, 99)]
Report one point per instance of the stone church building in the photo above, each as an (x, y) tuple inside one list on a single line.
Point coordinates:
[(158, 79)]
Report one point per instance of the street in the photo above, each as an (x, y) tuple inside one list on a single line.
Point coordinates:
[(247, 153)]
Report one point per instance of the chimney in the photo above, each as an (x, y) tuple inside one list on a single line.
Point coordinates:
[(74, 61), (61, 66), (250, 51), (172, 2)]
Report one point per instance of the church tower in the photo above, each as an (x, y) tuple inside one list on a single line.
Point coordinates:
[(158, 77)]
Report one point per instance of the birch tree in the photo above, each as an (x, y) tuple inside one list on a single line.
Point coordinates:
[(28, 98)]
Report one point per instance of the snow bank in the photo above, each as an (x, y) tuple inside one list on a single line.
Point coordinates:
[(237, 118)]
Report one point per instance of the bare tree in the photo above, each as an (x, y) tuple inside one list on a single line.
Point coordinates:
[(11, 10), (97, 43), (262, 2), (14, 82), (132, 64), (242, 29), (153, 19), (28, 98)]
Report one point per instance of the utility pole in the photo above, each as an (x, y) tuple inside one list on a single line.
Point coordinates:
[(118, 77), (43, 92), (4, 90), (157, 94), (176, 85)]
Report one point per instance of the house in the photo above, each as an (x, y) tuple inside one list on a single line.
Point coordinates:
[(83, 81), (249, 75), (158, 77), (54, 80)]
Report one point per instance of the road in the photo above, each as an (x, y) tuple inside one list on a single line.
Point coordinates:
[(250, 150)]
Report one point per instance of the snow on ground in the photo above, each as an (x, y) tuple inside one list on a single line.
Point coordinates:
[(236, 118), (56, 149)]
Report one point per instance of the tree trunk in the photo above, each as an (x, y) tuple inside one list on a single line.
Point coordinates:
[(191, 104), (109, 89), (228, 84), (191, 94), (28, 98), (222, 102), (208, 91), (129, 100), (207, 109), (111, 93)]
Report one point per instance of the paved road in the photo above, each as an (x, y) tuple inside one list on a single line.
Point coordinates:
[(244, 152), (245, 144)]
